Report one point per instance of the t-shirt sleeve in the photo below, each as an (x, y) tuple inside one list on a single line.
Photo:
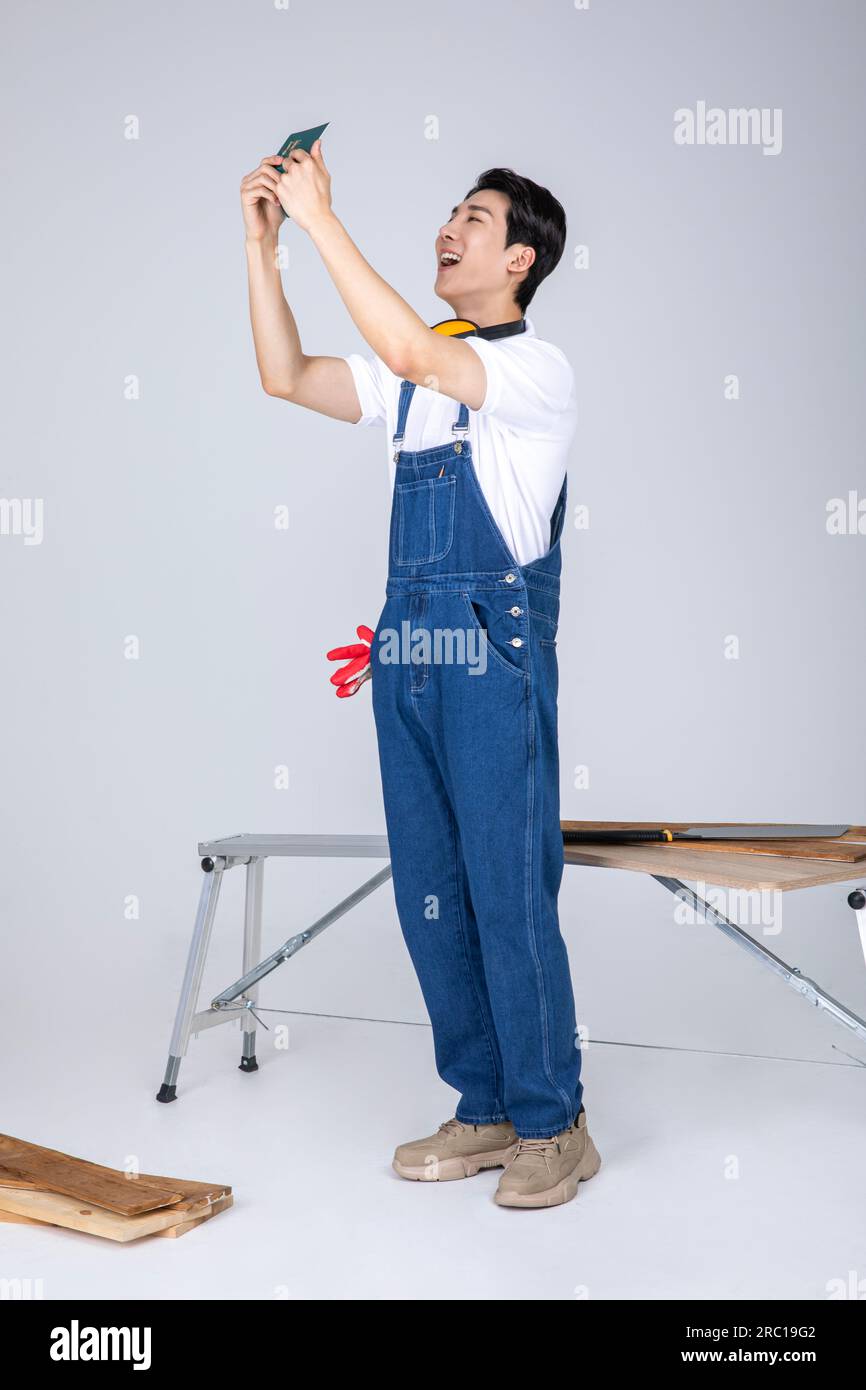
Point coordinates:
[(370, 388), (531, 390)]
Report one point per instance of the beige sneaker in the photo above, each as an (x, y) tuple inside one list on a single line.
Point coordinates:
[(456, 1151), (546, 1172)]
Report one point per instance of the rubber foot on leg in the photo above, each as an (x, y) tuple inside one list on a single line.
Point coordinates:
[(166, 1093), (248, 1064)]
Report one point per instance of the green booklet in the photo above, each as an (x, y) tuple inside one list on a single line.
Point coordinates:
[(302, 139)]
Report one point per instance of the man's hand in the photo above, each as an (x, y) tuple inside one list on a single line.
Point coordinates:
[(261, 206), (304, 189)]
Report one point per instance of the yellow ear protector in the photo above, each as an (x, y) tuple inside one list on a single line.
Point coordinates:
[(465, 328), (456, 328)]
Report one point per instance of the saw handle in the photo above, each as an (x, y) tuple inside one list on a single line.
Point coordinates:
[(615, 837)]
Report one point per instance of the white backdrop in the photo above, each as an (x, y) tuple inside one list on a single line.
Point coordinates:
[(123, 259)]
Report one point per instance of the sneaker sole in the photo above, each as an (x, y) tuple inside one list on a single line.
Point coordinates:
[(450, 1169), (563, 1191)]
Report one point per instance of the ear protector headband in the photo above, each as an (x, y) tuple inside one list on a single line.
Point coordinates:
[(465, 328)]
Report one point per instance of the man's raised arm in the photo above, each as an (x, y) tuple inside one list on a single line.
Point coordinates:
[(390, 326), (324, 384)]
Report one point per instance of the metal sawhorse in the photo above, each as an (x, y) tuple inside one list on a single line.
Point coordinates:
[(239, 1000), (668, 864)]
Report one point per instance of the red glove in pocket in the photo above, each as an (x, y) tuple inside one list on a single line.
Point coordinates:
[(351, 677)]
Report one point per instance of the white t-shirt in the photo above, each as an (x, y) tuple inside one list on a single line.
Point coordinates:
[(520, 437)]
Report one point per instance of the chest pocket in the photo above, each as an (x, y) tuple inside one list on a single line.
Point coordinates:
[(422, 529)]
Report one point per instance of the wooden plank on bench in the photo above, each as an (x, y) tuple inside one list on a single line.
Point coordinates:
[(849, 848), (732, 869)]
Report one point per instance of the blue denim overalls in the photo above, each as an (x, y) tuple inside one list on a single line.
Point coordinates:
[(470, 778)]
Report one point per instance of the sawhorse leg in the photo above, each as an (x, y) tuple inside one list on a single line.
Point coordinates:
[(252, 951), (789, 973), (238, 1002), (207, 905), (187, 1020), (857, 902)]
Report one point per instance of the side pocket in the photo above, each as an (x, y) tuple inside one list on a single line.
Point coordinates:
[(479, 619)]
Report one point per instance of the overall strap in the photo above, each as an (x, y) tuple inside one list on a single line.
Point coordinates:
[(557, 520), (459, 429)]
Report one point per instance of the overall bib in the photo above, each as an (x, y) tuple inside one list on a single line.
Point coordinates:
[(470, 778)]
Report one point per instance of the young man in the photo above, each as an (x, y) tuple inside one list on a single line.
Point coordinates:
[(468, 752)]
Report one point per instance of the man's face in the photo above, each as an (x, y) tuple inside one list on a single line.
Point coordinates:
[(472, 259)]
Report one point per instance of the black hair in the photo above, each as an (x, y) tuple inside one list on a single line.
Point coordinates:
[(535, 218)]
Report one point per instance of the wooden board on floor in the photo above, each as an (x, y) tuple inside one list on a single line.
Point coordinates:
[(222, 1204), (58, 1210), (181, 1229), (193, 1192), (199, 1193), (13, 1217), (49, 1170), (88, 1182)]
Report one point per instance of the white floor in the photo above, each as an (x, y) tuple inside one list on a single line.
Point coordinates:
[(723, 1176)]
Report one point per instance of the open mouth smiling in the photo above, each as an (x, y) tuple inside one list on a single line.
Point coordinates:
[(449, 258)]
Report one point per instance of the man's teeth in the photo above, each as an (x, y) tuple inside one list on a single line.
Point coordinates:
[(449, 258)]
